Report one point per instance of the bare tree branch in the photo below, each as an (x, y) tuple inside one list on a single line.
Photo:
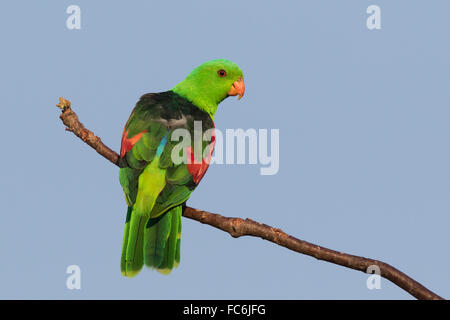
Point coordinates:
[(238, 227)]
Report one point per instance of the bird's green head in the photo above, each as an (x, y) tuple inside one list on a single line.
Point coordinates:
[(211, 82)]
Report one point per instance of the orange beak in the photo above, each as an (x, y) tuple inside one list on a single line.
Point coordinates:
[(237, 89)]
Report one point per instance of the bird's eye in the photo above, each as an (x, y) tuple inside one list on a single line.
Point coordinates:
[(222, 73)]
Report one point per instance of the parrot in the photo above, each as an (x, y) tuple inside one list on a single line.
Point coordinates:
[(155, 182)]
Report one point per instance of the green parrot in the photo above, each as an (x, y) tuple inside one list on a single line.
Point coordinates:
[(155, 182)]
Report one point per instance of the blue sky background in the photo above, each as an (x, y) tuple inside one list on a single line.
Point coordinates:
[(364, 144)]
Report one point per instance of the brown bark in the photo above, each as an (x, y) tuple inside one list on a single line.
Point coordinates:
[(238, 227)]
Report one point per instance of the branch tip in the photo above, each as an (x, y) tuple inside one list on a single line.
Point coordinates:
[(63, 104)]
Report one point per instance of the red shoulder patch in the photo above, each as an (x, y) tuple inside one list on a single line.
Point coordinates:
[(196, 168), (128, 143)]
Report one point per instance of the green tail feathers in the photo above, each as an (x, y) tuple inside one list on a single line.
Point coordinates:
[(154, 242)]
